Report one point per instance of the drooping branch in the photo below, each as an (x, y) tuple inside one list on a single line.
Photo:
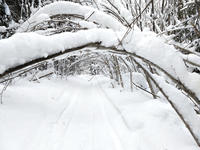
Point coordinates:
[(173, 105), (99, 47), (38, 60), (75, 10)]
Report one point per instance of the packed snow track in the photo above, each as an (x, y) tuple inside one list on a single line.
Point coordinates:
[(84, 114)]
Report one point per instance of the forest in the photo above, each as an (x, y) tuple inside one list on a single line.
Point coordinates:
[(137, 62)]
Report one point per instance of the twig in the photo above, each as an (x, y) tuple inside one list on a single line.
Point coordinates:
[(4, 88), (154, 95)]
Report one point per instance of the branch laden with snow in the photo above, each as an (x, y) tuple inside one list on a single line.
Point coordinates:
[(106, 34)]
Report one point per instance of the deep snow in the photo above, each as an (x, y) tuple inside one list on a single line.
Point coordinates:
[(83, 114)]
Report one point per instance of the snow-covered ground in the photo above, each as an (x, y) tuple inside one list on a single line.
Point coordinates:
[(84, 113)]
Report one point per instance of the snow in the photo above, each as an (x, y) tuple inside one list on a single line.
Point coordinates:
[(192, 58), (86, 24), (29, 46), (184, 106), (2, 29), (45, 116), (79, 113), (70, 8), (151, 47), (42, 18), (7, 10), (154, 48)]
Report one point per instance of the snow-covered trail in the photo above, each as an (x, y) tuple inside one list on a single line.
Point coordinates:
[(82, 115), (84, 123)]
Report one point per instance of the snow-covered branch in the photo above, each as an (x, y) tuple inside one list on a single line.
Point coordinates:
[(26, 47), (69, 8), (105, 32)]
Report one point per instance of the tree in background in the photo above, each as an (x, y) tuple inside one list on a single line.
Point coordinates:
[(5, 14)]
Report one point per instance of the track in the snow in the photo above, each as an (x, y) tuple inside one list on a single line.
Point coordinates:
[(86, 121)]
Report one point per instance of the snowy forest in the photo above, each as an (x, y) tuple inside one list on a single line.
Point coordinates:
[(99, 74)]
